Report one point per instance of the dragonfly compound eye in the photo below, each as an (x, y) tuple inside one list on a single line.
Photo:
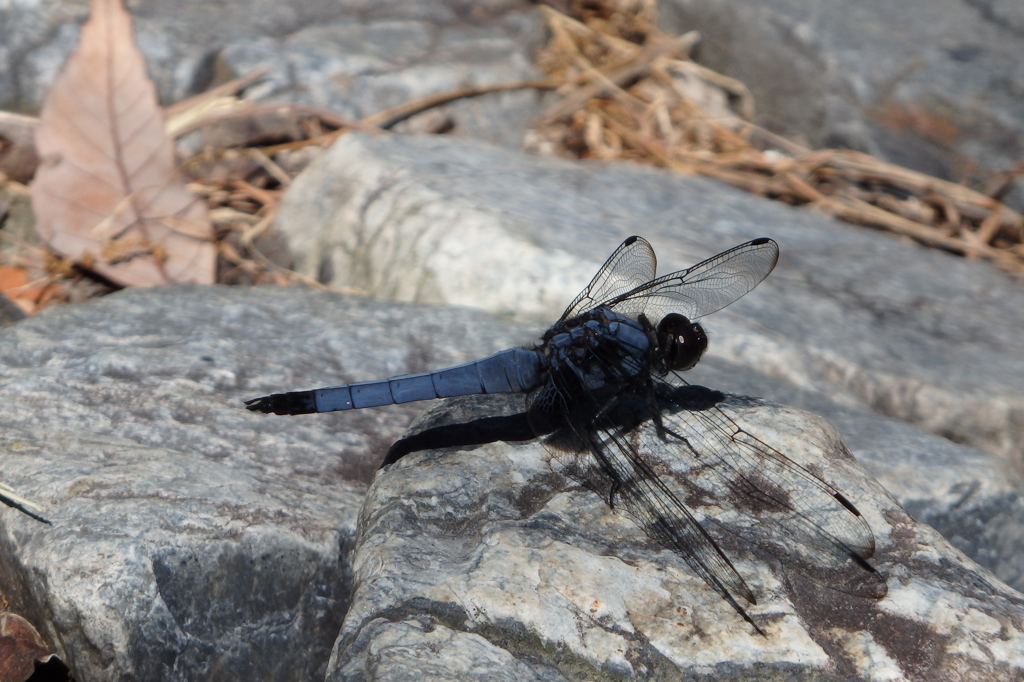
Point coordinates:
[(683, 341)]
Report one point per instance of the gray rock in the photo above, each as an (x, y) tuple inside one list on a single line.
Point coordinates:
[(195, 540), (358, 67), (191, 538), (352, 57), (935, 86), (463, 545)]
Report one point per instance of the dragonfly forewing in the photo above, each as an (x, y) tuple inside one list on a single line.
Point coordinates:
[(704, 288), (632, 264)]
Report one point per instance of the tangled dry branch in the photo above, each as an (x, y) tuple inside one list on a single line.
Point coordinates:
[(631, 92)]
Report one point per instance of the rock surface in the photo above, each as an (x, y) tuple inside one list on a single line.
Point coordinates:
[(501, 560), (354, 58), (191, 538), (931, 85), (195, 540)]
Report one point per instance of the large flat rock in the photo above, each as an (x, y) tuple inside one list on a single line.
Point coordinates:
[(195, 540), (476, 560), (192, 539)]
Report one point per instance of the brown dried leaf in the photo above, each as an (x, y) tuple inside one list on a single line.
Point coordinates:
[(107, 193)]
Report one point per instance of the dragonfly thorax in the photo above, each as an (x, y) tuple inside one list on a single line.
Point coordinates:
[(681, 342), (599, 347)]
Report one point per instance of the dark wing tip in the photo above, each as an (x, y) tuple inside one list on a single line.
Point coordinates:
[(630, 240), (841, 499), (299, 402), (759, 241)]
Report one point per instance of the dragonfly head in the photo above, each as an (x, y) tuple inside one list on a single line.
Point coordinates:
[(682, 342)]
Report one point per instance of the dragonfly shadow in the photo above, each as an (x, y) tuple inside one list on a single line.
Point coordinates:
[(443, 428), (457, 422)]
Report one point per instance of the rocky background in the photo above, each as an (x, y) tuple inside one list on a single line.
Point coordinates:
[(191, 539)]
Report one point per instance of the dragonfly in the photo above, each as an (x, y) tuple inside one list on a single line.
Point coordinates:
[(603, 390)]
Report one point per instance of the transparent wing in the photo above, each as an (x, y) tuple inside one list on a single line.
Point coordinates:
[(741, 484), (607, 463), (632, 264), (702, 289), (687, 473), (600, 452)]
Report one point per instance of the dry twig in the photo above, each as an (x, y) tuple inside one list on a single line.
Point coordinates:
[(630, 92)]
